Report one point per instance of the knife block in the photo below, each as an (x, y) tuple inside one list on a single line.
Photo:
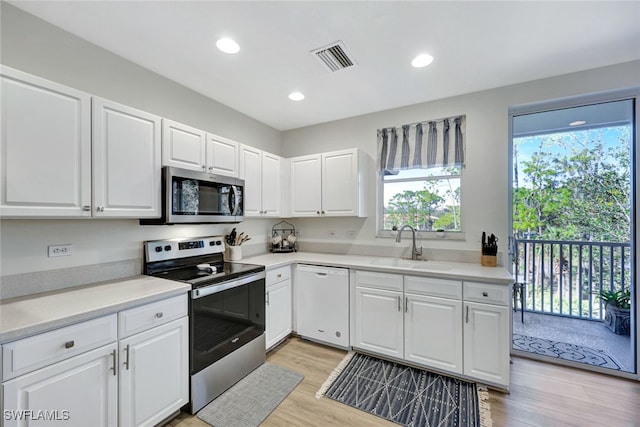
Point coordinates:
[(488, 260)]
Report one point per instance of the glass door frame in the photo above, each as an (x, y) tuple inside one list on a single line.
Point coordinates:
[(577, 101)]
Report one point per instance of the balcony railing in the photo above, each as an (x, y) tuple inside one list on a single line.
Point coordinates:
[(564, 277)]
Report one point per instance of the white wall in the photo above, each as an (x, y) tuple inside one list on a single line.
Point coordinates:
[(485, 178), (34, 46)]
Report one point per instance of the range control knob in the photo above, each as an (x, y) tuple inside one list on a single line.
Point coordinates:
[(167, 248), (218, 242), (158, 249)]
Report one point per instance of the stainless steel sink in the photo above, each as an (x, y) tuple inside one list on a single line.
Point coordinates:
[(392, 262), (413, 264)]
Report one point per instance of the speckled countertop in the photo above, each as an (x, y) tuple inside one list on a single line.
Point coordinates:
[(438, 269), (33, 314)]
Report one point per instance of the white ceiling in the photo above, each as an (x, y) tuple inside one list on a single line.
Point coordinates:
[(477, 45)]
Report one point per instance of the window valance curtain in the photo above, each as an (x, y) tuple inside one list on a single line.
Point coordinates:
[(428, 144)]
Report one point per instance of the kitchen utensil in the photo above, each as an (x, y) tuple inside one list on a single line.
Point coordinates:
[(207, 267)]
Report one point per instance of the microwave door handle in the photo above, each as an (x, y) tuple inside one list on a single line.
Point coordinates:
[(234, 194)]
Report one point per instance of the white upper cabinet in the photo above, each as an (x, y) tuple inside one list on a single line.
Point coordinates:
[(189, 148), (126, 161), (329, 184), (263, 176), (306, 185), (183, 146), (222, 156), (45, 166)]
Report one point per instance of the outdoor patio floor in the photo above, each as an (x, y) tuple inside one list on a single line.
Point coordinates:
[(586, 333)]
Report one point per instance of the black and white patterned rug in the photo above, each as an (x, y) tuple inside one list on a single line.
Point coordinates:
[(405, 395), (566, 351)]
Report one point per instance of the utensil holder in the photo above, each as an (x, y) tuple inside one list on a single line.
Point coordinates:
[(234, 253), (488, 260)]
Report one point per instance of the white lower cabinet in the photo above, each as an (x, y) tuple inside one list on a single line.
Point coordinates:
[(278, 305), (433, 332), (378, 323), (486, 343), (461, 328), (154, 369), (80, 375), (81, 391)]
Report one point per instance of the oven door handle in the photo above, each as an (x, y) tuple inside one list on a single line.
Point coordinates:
[(219, 287)]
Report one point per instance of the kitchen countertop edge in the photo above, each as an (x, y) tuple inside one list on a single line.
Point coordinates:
[(30, 315), (459, 271)]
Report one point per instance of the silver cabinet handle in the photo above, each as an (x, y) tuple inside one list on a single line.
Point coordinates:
[(204, 167), (279, 276), (406, 304), (485, 294), (69, 344), (322, 212), (159, 315), (126, 360), (399, 304), (267, 299), (467, 315), (100, 209), (86, 208), (318, 212), (113, 354)]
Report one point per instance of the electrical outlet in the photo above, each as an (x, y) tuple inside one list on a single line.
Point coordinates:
[(59, 250), (332, 234)]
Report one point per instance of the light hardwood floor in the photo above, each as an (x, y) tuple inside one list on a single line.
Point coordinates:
[(541, 395)]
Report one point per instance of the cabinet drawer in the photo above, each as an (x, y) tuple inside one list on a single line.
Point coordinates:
[(29, 354), (489, 294), (147, 316), (433, 287), (372, 279), (278, 274)]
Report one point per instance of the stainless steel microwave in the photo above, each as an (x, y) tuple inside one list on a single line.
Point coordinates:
[(192, 197)]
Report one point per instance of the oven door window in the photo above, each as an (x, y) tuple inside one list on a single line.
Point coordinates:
[(225, 321), (195, 197)]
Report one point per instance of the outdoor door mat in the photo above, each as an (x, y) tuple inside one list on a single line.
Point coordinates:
[(565, 351)]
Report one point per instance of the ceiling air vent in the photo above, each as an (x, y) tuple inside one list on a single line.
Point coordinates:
[(334, 57)]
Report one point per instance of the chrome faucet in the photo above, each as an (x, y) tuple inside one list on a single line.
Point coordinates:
[(415, 253)]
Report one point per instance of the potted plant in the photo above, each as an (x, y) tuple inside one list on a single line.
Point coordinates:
[(617, 306)]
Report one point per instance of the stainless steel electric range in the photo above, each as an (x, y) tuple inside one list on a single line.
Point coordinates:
[(226, 311)]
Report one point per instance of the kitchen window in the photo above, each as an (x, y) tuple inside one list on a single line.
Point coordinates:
[(420, 178)]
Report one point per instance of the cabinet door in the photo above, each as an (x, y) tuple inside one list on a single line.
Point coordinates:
[(126, 161), (433, 332), (251, 172), (271, 185), (154, 374), (45, 166), (222, 156), (486, 342), (183, 146), (306, 194), (279, 309), (81, 391), (340, 183), (378, 321)]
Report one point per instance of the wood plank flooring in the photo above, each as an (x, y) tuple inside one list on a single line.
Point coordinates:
[(541, 395)]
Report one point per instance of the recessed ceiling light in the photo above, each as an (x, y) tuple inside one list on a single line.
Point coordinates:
[(227, 45), (296, 96), (422, 60), (577, 123)]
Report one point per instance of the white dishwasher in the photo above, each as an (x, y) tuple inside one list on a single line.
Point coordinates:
[(322, 304)]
